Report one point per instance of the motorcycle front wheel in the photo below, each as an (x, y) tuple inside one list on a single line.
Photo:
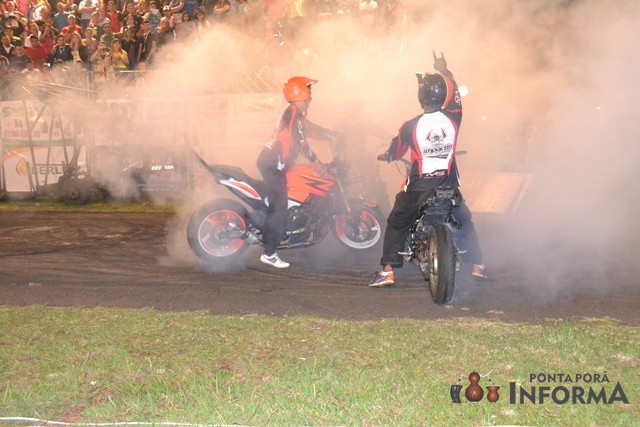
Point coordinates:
[(212, 231), (362, 231), (442, 255)]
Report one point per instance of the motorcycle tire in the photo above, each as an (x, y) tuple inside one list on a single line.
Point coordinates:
[(74, 191), (442, 274), (365, 234), (206, 226)]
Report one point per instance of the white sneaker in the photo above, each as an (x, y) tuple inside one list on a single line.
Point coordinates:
[(274, 261)]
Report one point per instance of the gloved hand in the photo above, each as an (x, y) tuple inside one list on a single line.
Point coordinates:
[(319, 167), (384, 157), (439, 64)]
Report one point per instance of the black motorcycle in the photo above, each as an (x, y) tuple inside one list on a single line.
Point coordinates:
[(430, 244)]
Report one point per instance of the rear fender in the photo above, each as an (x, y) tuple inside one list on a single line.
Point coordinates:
[(243, 190)]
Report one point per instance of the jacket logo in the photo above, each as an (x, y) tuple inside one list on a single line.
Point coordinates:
[(436, 138)]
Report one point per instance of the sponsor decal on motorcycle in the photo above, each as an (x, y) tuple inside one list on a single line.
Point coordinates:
[(242, 187)]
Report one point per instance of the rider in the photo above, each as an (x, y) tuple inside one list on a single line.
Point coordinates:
[(432, 138), (280, 153)]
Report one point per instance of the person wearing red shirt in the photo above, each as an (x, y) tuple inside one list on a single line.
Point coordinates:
[(71, 28), (115, 18), (36, 52)]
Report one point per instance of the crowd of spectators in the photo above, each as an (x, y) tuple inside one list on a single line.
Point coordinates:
[(89, 42)]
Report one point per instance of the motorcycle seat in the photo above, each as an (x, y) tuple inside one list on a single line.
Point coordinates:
[(225, 171)]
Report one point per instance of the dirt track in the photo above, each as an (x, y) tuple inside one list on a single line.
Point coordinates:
[(142, 260)]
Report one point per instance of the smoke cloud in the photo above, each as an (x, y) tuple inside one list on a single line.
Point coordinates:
[(551, 91)]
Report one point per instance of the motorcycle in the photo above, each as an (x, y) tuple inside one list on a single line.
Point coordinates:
[(221, 230), (430, 244)]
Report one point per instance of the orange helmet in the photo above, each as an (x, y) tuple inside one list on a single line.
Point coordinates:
[(298, 88)]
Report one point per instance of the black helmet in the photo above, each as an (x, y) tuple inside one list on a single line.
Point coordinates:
[(433, 90)]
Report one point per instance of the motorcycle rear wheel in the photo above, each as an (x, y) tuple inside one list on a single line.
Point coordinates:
[(365, 233), (208, 231), (442, 254)]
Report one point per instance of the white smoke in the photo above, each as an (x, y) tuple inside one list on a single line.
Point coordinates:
[(551, 92)]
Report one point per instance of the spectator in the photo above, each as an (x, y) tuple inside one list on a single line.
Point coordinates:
[(115, 18), (148, 45), (190, 7), (23, 25), (166, 33), (130, 22), (297, 19), (60, 51), (60, 18), (131, 45), (95, 26), (30, 72), (243, 13), (79, 53), (35, 9), (71, 28), (36, 52), (71, 6), (12, 22), (47, 38), (11, 9), (153, 16), (274, 14), (201, 22), (9, 32), (101, 64), (176, 6), (23, 7), (6, 49), (57, 73), (19, 60), (102, 17), (119, 57), (86, 9), (33, 30), (221, 10), (107, 34), (130, 9), (186, 30), (89, 41), (168, 16), (45, 16)]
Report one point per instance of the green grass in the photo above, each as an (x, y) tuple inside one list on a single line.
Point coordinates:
[(110, 365)]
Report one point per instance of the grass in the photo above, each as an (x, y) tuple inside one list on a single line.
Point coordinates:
[(110, 365)]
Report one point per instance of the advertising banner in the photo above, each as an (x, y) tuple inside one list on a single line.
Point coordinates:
[(35, 143)]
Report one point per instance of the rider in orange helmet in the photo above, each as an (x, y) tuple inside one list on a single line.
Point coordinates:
[(280, 153)]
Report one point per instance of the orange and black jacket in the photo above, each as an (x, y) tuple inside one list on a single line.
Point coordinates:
[(290, 139)]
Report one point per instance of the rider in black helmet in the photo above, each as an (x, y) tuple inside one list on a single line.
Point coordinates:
[(431, 137)]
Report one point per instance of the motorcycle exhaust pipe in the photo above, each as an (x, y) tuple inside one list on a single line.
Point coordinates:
[(242, 233), (251, 238)]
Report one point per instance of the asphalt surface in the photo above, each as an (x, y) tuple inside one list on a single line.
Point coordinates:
[(142, 260)]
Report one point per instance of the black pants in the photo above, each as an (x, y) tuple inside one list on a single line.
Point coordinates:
[(275, 226), (402, 216)]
